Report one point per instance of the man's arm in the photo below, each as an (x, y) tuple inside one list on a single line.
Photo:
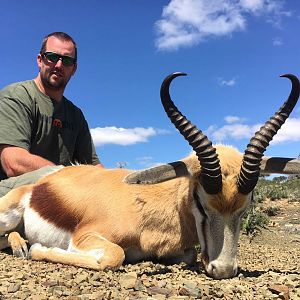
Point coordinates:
[(17, 161)]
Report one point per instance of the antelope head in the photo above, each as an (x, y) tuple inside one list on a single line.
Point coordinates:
[(220, 198)]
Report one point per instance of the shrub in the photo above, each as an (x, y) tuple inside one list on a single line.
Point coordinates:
[(253, 221), (277, 192), (272, 211)]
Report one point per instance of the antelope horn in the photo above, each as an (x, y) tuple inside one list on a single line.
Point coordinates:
[(250, 168), (210, 174)]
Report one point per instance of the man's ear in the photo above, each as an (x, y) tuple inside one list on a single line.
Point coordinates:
[(39, 59), (74, 69)]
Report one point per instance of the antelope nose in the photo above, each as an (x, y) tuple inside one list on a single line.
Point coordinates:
[(221, 271)]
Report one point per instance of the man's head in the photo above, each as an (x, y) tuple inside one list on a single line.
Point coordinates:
[(57, 61)]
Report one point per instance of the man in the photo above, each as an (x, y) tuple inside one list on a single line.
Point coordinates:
[(39, 128)]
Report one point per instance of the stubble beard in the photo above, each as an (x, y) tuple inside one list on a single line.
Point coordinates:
[(52, 84)]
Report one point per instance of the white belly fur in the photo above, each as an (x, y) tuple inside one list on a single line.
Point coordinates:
[(37, 230)]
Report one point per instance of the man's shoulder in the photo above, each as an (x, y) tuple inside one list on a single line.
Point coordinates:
[(18, 89), (19, 85)]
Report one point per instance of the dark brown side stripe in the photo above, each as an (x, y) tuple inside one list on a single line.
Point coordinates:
[(47, 205)]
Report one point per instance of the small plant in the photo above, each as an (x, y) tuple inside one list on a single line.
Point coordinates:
[(254, 221), (259, 195), (277, 192), (275, 189), (279, 188), (294, 196), (272, 211)]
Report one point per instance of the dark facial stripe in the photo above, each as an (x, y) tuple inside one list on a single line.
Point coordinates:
[(198, 204), (203, 225)]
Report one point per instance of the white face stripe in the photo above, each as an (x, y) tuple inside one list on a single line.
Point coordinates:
[(199, 219), (218, 235)]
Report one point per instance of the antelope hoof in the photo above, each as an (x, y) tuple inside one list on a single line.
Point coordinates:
[(18, 245)]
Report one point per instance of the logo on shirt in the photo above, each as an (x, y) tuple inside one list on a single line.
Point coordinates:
[(57, 123)]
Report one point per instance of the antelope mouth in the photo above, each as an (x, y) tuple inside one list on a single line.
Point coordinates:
[(205, 259)]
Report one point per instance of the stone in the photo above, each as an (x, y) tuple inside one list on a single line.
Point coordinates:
[(14, 287), (80, 278), (128, 280), (281, 290), (153, 290), (48, 283)]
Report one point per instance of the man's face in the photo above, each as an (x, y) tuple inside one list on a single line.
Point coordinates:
[(55, 76)]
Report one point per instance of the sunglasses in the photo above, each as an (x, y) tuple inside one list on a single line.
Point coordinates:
[(54, 58)]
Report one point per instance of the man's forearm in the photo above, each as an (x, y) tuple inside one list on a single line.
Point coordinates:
[(17, 161)]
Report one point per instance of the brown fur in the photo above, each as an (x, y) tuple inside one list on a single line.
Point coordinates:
[(156, 218), (100, 210), (151, 219), (229, 199)]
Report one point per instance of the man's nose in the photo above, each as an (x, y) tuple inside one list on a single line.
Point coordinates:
[(59, 63)]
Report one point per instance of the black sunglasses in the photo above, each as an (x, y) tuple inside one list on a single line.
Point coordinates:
[(54, 58)]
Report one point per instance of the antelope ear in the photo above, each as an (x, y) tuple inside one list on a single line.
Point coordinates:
[(280, 165), (158, 174)]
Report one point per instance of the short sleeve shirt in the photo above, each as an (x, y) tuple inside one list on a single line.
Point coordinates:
[(55, 131)]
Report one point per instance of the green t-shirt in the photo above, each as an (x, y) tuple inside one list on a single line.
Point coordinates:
[(55, 131)]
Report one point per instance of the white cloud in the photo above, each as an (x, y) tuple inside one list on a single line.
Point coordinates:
[(252, 5), (289, 131), (188, 22), (277, 41), (230, 82), (123, 136), (147, 162), (233, 131), (233, 119)]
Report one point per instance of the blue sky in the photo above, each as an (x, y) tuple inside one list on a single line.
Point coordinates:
[(232, 50)]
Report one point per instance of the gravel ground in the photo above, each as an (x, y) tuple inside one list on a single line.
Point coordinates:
[(269, 269)]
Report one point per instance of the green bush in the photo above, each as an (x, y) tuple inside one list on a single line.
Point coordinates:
[(272, 211), (253, 221), (277, 192), (278, 188)]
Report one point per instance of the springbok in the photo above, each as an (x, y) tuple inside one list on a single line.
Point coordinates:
[(94, 218)]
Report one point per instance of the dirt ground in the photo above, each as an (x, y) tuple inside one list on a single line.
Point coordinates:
[(269, 269)]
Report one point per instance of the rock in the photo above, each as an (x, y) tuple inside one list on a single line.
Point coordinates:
[(38, 297), (80, 279), (95, 283), (153, 290), (190, 288), (57, 291), (158, 297), (14, 287), (128, 280), (49, 283), (162, 283), (139, 286), (279, 289)]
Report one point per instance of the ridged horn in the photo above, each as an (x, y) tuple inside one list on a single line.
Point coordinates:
[(210, 175), (250, 168)]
